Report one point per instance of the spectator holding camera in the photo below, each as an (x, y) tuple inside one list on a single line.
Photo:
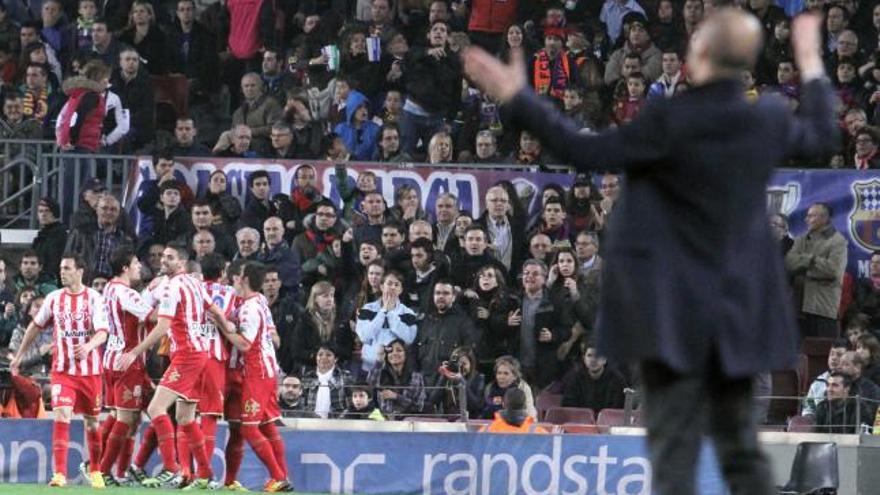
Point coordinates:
[(461, 368), (445, 328)]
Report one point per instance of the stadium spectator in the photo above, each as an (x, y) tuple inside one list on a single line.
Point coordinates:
[(671, 64), (305, 196), (41, 102), (407, 205), (361, 404), (543, 326), (226, 209), (235, 143), (779, 227), (97, 242), (838, 413), (186, 132), (817, 391), (324, 384), (530, 152), (494, 313), (868, 349), (384, 320), (258, 207), (592, 384), (14, 124), (389, 144), (513, 416), (817, 261), (52, 234), (476, 255), (867, 140), (307, 130), (202, 216), (851, 365), (460, 369), (399, 389), (104, 45), (290, 395), (193, 50), (319, 325), (248, 241), (173, 223), (258, 110), (638, 42), (541, 247), (6, 295), (145, 36), (507, 376), (487, 148), (426, 271), (433, 87), (321, 229), (276, 252), (133, 86), (281, 139), (576, 295), (440, 148), (444, 328), (37, 358)]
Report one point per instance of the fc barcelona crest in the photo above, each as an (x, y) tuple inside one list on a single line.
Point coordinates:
[(864, 225)]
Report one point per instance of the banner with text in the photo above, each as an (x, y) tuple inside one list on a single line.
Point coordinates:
[(412, 463), (468, 184)]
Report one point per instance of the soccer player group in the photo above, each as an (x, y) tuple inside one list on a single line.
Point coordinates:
[(222, 362)]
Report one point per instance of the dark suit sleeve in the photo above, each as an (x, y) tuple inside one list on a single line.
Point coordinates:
[(642, 142), (813, 131)]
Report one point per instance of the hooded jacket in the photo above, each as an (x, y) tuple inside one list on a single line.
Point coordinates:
[(86, 102), (361, 143)]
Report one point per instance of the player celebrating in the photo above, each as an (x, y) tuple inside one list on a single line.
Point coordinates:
[(232, 407), (79, 320), (259, 405), (183, 308), (211, 396), (125, 389)]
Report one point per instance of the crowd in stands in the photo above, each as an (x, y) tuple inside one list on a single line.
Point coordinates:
[(379, 301)]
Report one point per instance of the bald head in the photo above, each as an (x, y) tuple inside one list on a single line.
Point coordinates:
[(726, 43)]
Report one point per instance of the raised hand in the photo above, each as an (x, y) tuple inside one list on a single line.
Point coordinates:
[(806, 41), (498, 80)]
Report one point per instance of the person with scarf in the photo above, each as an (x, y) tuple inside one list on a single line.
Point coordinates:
[(39, 101), (321, 229), (867, 156), (529, 151), (78, 34), (553, 70), (508, 376), (490, 305)]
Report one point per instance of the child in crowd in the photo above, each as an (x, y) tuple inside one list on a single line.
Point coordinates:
[(573, 106), (362, 406), (629, 104)]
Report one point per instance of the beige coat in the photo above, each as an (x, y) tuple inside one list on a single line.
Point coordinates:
[(817, 262)]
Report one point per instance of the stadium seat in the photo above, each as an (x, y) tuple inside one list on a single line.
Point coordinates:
[(801, 424), (171, 91), (785, 384), (426, 419), (803, 371), (580, 429), (550, 427), (814, 470), (562, 415), (615, 417), (477, 424), (546, 401)]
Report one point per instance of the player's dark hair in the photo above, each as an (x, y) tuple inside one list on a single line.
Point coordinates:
[(120, 259), (212, 265), (254, 273)]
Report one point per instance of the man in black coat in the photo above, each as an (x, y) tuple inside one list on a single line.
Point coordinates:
[(444, 328), (51, 236), (693, 285)]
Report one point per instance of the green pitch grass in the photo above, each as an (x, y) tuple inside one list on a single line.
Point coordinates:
[(22, 489)]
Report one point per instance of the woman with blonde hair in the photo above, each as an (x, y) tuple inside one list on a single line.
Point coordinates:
[(145, 37), (319, 325), (440, 149), (508, 374)]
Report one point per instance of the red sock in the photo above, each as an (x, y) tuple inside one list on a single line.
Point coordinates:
[(165, 437), (234, 453), (271, 433), (263, 449), (106, 428), (209, 430), (197, 447), (60, 441), (93, 437), (184, 458), (115, 443), (148, 445), (124, 457)]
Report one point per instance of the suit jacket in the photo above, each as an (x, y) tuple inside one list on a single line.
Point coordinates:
[(692, 275)]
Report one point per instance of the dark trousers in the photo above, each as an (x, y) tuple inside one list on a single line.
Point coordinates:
[(818, 326), (680, 409)]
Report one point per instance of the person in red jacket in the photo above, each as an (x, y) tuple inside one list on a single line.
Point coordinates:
[(489, 19), (79, 124)]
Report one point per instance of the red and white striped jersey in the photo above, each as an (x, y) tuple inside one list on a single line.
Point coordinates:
[(235, 361), (125, 310), (255, 321), (185, 302), (76, 318), (223, 296)]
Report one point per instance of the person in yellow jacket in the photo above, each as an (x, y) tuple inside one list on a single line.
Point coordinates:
[(512, 418)]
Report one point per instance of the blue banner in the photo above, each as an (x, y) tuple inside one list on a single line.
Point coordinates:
[(416, 463)]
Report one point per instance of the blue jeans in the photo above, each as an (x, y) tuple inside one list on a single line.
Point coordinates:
[(414, 127)]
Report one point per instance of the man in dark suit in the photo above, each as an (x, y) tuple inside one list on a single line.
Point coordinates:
[(693, 283)]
